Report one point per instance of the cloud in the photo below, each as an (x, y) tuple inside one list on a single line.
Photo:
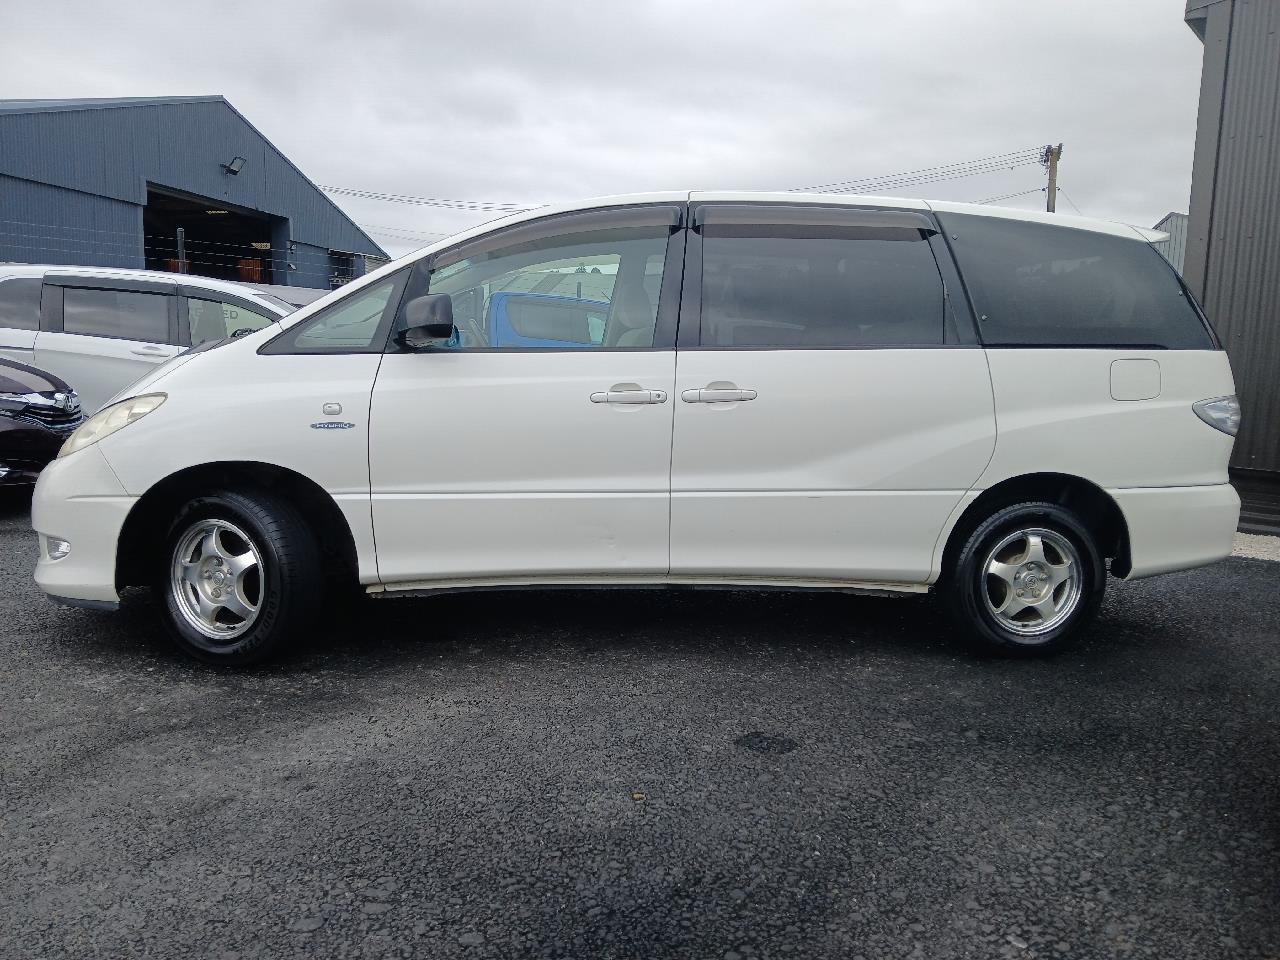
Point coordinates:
[(533, 102)]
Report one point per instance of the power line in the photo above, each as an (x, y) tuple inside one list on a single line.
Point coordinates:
[(1070, 201), (871, 187), (934, 174), (1010, 196), (943, 171)]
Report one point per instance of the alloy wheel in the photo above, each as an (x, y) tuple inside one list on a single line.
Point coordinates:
[(1031, 581), (216, 578)]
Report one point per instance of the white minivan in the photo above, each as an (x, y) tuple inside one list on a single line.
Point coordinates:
[(734, 389), (101, 328)]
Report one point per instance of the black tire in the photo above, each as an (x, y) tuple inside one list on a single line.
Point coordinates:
[(287, 586), (976, 598)]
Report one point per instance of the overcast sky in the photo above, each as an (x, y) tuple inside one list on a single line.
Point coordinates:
[(528, 102)]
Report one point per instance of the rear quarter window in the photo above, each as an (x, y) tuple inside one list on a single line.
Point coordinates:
[(1040, 285)]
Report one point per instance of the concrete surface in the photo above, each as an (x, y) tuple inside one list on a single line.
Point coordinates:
[(1257, 546), (649, 775)]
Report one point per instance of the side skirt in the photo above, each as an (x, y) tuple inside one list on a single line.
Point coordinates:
[(429, 588)]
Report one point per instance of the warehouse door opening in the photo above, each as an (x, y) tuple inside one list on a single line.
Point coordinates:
[(217, 241)]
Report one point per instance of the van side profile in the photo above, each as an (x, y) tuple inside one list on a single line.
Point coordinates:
[(704, 388)]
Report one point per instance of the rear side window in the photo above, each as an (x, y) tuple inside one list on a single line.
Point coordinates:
[(798, 292), (1039, 285), (116, 313), (20, 303)]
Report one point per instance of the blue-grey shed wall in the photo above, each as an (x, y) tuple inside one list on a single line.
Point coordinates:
[(44, 224)]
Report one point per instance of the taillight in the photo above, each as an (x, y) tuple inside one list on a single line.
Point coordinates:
[(1222, 413)]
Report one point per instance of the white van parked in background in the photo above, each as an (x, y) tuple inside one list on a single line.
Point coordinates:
[(101, 328), (683, 388)]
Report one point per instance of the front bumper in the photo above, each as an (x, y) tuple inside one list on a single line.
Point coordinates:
[(1177, 528), (80, 500)]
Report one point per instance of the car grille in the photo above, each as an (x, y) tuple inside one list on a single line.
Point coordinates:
[(54, 418)]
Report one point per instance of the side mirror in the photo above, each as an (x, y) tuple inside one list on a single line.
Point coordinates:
[(428, 322)]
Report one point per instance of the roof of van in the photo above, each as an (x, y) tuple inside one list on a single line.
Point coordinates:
[(122, 273)]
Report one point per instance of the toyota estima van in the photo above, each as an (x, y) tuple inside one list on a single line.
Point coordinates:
[(686, 388)]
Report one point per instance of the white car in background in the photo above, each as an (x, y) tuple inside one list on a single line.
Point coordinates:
[(100, 328), (719, 389)]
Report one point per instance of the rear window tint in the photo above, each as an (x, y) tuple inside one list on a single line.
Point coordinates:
[(802, 293), (116, 313), (20, 303), (1039, 285)]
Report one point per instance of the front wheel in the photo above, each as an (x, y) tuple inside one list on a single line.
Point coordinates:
[(242, 575), (1026, 580)]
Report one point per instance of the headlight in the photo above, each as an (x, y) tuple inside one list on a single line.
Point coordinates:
[(110, 419), (1221, 414)]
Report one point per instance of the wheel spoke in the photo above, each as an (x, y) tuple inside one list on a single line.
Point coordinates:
[(207, 608), (211, 546), (1012, 606), (1059, 573), (1046, 606), (239, 565), (237, 605), (191, 573), (1035, 549), (1004, 571)]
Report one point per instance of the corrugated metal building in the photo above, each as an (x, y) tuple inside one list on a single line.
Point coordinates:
[(1175, 247), (116, 182), (1233, 244)]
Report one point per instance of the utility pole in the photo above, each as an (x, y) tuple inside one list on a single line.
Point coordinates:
[(1050, 157), (182, 250)]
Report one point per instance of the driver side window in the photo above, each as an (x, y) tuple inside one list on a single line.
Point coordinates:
[(582, 291)]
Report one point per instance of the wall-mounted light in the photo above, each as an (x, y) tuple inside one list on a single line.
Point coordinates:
[(235, 166)]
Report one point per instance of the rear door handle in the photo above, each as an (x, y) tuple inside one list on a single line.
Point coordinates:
[(717, 395), (629, 393)]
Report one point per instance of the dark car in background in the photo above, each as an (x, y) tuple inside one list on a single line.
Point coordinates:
[(38, 412)]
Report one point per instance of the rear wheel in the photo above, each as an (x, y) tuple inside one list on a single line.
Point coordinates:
[(242, 576), (1026, 580)]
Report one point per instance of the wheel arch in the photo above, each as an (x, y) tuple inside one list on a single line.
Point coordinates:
[(148, 521), (1096, 508)]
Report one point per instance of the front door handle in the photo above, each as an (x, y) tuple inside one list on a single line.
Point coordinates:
[(150, 352), (717, 394), (629, 393)]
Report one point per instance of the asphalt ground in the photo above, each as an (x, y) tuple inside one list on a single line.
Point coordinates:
[(645, 774)]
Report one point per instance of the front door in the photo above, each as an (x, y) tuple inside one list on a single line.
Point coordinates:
[(537, 443), (832, 403)]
